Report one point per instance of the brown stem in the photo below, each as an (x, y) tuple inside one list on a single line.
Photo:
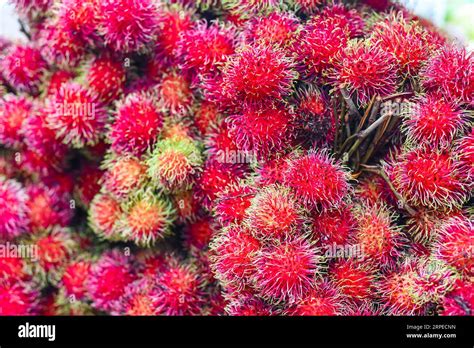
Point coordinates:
[(350, 103), (23, 29)]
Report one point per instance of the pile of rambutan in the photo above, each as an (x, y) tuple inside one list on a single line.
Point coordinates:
[(234, 157)]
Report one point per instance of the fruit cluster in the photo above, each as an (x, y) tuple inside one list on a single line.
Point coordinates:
[(234, 157)]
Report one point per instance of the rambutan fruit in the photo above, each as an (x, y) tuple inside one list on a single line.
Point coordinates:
[(324, 300), (248, 306), (377, 235), (450, 72), (433, 121), (232, 203), (173, 163), (465, 150), (424, 226), (35, 164), (232, 255), (104, 214), (147, 218), (258, 74), (205, 116), (175, 93), (179, 289), (455, 244), (199, 233), (262, 130), (317, 180), (220, 144), (366, 70), (123, 175), (247, 8), (286, 271), (215, 177), (271, 171), (136, 126), (345, 18), (29, 7), (13, 269), (106, 76), (80, 17), (74, 278), (47, 208), (56, 79), (432, 179), (13, 208), (205, 47), (127, 25), (186, 205), (307, 7), (108, 279), (18, 298), (277, 28), (334, 226), (354, 279), (406, 40), (274, 213), (460, 301), (23, 68), (138, 298), (76, 115), (14, 110), (88, 184), (373, 189)]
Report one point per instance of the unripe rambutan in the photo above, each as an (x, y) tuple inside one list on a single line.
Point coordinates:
[(430, 178), (274, 213), (47, 208), (232, 203), (334, 226), (205, 47), (248, 306), (137, 125), (127, 25), (286, 271), (232, 255), (175, 93), (433, 121), (323, 300), (76, 115), (262, 130), (74, 278), (104, 214), (147, 219), (198, 234), (14, 110), (277, 28), (23, 68), (13, 208), (18, 298), (106, 77), (377, 235), (258, 74), (124, 175), (179, 289), (173, 163), (354, 279), (109, 278), (460, 301), (365, 70), (455, 244), (317, 180), (451, 72)]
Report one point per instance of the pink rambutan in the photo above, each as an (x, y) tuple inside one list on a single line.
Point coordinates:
[(424, 226), (355, 280), (56, 80), (274, 213), (277, 28), (219, 142), (455, 244), (366, 70), (205, 116), (460, 301), (272, 170), (14, 110), (206, 46), (18, 298), (104, 214), (138, 298), (433, 121), (136, 126), (262, 130), (232, 203), (13, 208), (128, 25), (317, 180), (232, 255), (199, 233), (347, 19), (334, 226), (74, 278), (430, 178), (147, 219), (175, 93), (187, 205), (80, 17), (108, 279), (246, 8), (76, 115), (23, 68), (286, 271), (36, 164), (248, 306), (257, 74), (13, 269), (106, 76), (179, 289), (450, 72), (324, 299), (88, 183), (307, 7), (123, 175), (465, 151)]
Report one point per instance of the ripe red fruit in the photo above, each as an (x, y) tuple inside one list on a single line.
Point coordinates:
[(124, 175), (324, 299), (277, 29), (138, 298), (137, 125), (13, 209), (286, 272), (106, 76), (18, 298), (248, 306), (460, 301), (354, 279), (175, 93), (74, 278), (198, 234), (88, 184), (317, 181), (334, 226), (347, 19), (104, 214), (14, 111), (232, 203)]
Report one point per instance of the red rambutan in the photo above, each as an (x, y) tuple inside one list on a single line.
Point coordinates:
[(74, 278), (175, 93), (354, 279), (334, 226), (88, 183), (106, 77), (232, 203), (14, 110), (18, 298), (460, 301), (123, 175), (13, 208), (198, 234), (277, 28), (245, 306), (104, 213)]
